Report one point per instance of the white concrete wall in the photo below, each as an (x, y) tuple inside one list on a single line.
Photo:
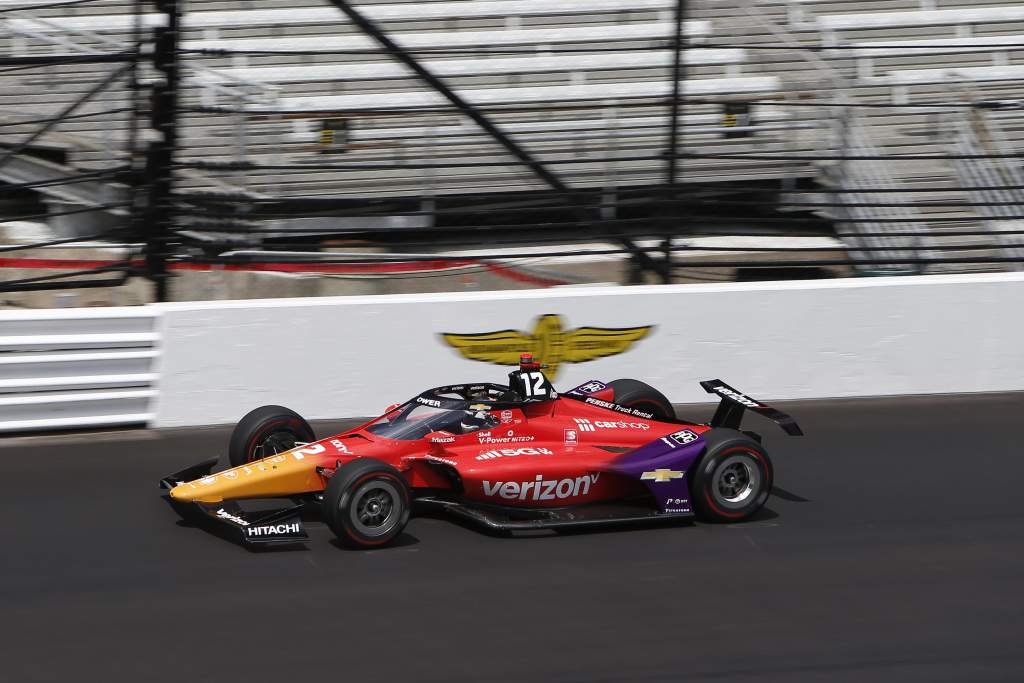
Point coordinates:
[(352, 356)]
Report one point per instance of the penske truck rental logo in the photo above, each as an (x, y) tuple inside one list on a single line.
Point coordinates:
[(549, 342)]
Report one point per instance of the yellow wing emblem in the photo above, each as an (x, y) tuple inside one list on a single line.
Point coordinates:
[(499, 348), (550, 343), (590, 343)]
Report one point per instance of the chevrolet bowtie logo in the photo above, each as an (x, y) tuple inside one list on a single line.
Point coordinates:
[(663, 475), (549, 342)]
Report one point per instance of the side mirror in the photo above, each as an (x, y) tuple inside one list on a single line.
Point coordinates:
[(390, 408)]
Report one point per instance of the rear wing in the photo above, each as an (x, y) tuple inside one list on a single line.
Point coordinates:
[(730, 411)]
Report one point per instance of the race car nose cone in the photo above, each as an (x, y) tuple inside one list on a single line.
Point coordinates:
[(274, 476), (181, 492)]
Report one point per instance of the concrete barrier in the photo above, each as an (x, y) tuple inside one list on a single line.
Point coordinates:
[(351, 356)]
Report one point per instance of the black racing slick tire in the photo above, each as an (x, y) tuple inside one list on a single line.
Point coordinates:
[(366, 503), (633, 393), (733, 478), (266, 431)]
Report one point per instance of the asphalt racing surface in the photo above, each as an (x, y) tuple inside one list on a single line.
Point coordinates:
[(894, 551)]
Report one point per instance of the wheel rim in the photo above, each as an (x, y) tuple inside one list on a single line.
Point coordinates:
[(376, 508), (736, 481), (274, 443)]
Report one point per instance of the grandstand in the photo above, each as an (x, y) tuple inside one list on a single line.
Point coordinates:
[(293, 100)]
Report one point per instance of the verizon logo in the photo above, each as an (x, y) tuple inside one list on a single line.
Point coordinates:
[(541, 488)]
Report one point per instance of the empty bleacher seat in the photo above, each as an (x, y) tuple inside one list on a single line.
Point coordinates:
[(999, 47), (797, 14), (328, 16), (538, 38), (575, 63), (535, 94), (768, 119), (954, 73), (964, 18)]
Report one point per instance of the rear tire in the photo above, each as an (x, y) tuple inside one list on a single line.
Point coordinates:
[(366, 503), (633, 393), (733, 478), (266, 431)]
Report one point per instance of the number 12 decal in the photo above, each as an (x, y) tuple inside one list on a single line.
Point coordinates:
[(533, 383)]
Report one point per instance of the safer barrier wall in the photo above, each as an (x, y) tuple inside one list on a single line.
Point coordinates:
[(78, 367), (353, 356)]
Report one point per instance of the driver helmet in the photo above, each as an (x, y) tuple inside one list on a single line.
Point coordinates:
[(477, 417)]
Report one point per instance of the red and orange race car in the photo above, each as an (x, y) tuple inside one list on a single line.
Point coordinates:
[(508, 457)]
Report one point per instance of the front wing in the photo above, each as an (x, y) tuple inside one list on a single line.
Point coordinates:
[(267, 527)]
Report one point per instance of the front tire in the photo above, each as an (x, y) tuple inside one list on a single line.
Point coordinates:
[(266, 431), (633, 393), (366, 503), (733, 479)]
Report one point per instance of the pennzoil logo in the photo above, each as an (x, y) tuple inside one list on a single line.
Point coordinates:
[(549, 342)]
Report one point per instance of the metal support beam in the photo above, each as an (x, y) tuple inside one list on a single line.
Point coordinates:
[(673, 211), (67, 58), (158, 219), (642, 258), (678, 73)]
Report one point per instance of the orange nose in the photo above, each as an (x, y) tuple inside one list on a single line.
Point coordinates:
[(278, 475)]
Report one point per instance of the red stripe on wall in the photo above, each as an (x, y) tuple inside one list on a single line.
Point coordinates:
[(285, 267)]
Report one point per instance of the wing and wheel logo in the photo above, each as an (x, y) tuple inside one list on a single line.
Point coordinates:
[(549, 342)]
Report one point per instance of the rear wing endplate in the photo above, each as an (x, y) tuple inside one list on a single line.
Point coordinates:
[(730, 411)]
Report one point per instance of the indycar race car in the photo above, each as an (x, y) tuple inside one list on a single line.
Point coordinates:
[(506, 457)]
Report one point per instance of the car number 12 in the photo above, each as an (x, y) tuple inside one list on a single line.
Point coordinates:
[(533, 383)]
